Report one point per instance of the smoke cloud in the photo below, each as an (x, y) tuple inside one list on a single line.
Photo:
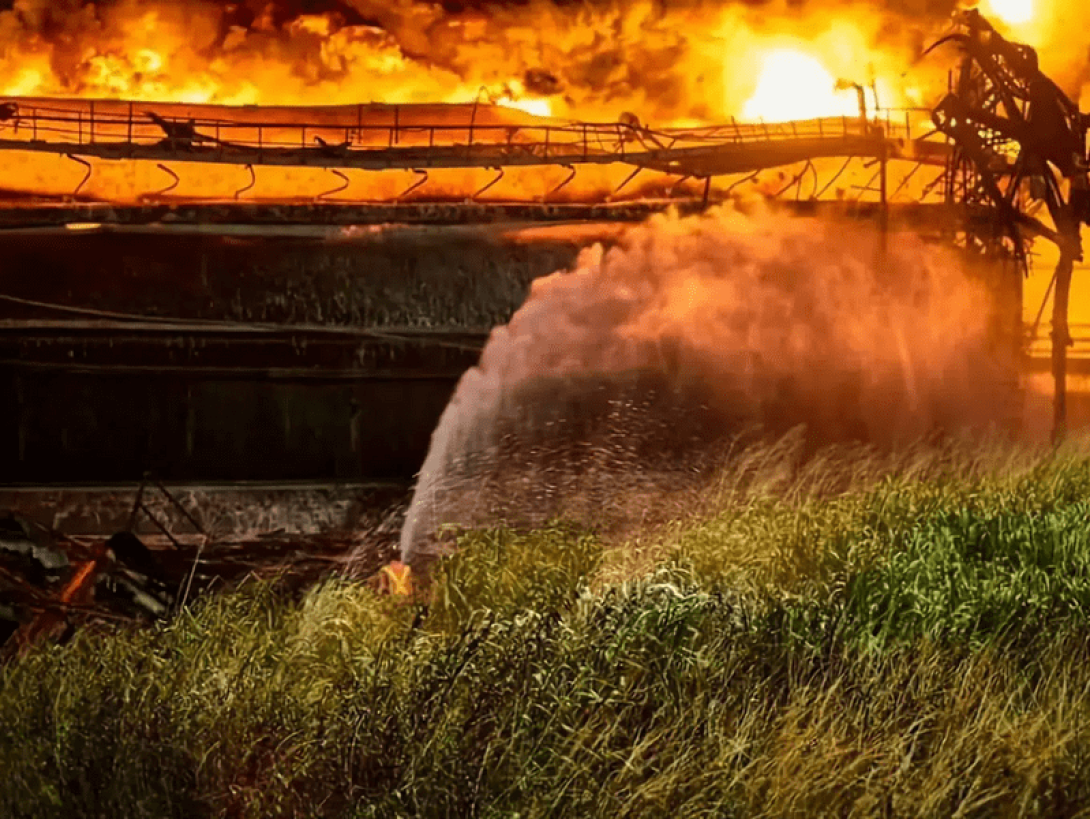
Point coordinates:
[(665, 62), (631, 374)]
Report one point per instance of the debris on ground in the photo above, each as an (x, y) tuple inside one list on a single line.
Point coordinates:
[(54, 583)]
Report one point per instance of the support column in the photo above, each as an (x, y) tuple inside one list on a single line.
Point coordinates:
[(1061, 338), (883, 219)]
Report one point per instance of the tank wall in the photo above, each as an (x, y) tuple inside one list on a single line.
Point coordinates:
[(100, 397)]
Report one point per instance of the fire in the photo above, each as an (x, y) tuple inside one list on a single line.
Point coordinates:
[(795, 85), (515, 97), (666, 65), (822, 67), (537, 107), (1011, 12), (686, 64)]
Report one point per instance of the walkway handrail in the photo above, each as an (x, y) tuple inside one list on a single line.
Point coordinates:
[(76, 124)]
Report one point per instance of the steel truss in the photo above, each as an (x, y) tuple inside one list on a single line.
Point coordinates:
[(1001, 105)]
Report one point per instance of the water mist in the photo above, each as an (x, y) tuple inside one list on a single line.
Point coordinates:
[(622, 377)]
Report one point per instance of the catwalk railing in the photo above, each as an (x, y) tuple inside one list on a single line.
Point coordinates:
[(378, 137)]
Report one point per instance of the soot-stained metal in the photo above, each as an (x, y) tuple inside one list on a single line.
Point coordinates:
[(1001, 102)]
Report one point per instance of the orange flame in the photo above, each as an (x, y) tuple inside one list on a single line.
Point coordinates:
[(1011, 12), (685, 65), (578, 63), (794, 85)]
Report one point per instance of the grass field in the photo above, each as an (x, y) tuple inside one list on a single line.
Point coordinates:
[(855, 636)]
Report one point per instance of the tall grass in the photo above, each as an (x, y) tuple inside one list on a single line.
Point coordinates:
[(889, 641)]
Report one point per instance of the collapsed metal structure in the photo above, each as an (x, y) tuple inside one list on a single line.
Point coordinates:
[(1017, 138)]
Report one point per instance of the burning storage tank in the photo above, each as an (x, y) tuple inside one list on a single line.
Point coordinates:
[(241, 353), (256, 243), (287, 291)]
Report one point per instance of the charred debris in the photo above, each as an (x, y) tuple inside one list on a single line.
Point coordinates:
[(52, 584)]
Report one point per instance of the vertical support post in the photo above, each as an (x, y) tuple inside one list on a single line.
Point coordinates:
[(137, 505), (1061, 339), (472, 122), (883, 193), (1014, 330)]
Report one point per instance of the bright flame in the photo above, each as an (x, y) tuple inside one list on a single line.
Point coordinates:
[(26, 82), (516, 98), (685, 64), (794, 85), (538, 107), (690, 65), (1011, 12)]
